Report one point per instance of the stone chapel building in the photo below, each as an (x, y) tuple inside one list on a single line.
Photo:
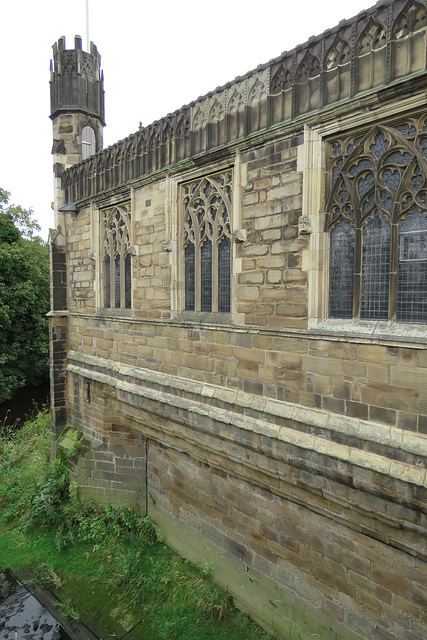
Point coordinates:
[(239, 323)]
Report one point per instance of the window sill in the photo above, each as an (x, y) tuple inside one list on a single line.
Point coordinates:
[(203, 317), (127, 313), (373, 329)]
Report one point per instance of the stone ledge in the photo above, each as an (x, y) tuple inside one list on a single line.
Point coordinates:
[(377, 433), (346, 453), (388, 339)]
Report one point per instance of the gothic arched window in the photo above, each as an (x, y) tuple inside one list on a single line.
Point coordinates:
[(207, 243), (116, 257), (88, 142), (377, 218)]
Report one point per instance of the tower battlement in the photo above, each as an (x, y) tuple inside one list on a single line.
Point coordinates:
[(76, 79)]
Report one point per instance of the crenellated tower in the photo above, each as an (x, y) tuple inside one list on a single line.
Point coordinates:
[(77, 114), (77, 108)]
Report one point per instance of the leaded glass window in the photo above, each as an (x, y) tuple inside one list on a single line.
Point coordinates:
[(412, 269), (377, 219), (207, 243), (375, 268), (342, 271), (116, 257)]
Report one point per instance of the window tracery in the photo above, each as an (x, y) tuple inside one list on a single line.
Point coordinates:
[(183, 139), (116, 257), (207, 243), (256, 95), (407, 39), (412, 18), (235, 112), (377, 218), (281, 80), (308, 83), (337, 70), (371, 56), (338, 54), (372, 37), (281, 91)]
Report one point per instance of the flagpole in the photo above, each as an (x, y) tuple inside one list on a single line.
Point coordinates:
[(87, 25)]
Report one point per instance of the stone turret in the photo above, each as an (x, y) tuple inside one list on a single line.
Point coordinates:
[(77, 109), (77, 113)]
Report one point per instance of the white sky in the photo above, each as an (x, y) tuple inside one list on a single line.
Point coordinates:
[(156, 57)]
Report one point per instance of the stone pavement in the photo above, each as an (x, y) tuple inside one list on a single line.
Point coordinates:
[(24, 617)]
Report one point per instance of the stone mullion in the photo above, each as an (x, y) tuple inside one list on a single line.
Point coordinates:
[(293, 86), (122, 279), (214, 276), (268, 118), (357, 272), (353, 61), (246, 110), (112, 278), (394, 248), (322, 79), (197, 269), (215, 242), (389, 45)]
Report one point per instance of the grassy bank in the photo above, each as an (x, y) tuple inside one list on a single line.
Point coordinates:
[(107, 566)]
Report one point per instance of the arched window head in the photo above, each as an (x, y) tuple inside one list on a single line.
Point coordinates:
[(88, 142)]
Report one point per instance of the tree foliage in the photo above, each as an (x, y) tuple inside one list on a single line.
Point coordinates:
[(24, 300)]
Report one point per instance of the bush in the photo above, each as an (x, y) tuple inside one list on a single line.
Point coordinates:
[(108, 548), (24, 460)]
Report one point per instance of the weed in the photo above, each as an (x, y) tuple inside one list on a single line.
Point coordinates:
[(208, 568), (47, 577), (67, 610), (24, 460), (83, 549)]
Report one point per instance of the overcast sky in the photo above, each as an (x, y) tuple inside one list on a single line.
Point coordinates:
[(156, 57)]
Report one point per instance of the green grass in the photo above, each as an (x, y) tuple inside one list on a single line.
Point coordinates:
[(106, 565)]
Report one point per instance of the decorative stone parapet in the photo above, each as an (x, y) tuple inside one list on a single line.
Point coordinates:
[(381, 46)]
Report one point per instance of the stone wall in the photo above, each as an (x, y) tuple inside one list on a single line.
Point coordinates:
[(272, 288), (293, 457), (314, 524)]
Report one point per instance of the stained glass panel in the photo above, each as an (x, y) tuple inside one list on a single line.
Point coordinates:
[(342, 271), (189, 277), (375, 269), (412, 269), (107, 281), (206, 276), (117, 282), (128, 282), (224, 276)]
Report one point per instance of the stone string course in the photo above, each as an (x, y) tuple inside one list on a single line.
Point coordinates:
[(362, 379)]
